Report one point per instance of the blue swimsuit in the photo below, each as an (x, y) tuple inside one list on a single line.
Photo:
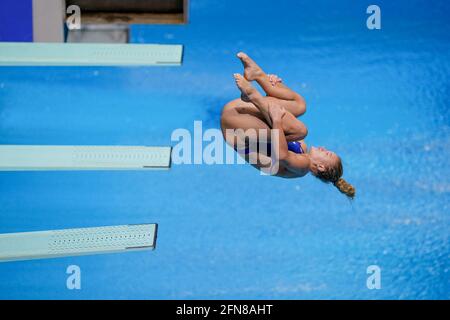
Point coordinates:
[(296, 147), (293, 146)]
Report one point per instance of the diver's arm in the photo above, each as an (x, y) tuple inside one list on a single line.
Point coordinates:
[(295, 131), (280, 153), (279, 143), (297, 163)]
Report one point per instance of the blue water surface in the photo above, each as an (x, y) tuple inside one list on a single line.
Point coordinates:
[(379, 98)]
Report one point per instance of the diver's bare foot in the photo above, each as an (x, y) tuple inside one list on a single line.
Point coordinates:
[(247, 90), (251, 70)]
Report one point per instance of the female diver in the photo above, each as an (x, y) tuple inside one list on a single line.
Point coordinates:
[(285, 154)]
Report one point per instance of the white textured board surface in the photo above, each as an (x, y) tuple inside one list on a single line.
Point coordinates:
[(89, 54), (75, 242), (35, 157)]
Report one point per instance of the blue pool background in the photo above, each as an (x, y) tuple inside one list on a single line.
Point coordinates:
[(378, 98)]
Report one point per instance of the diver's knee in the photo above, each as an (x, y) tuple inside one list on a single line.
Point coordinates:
[(300, 106)]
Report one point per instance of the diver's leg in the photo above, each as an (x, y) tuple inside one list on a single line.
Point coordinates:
[(252, 72), (293, 128), (243, 128), (242, 122)]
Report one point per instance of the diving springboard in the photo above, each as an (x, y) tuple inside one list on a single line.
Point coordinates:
[(88, 54), (40, 157), (77, 242)]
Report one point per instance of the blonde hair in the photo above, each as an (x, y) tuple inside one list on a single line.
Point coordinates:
[(333, 175)]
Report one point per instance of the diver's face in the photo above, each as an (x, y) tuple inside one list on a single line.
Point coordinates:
[(323, 156)]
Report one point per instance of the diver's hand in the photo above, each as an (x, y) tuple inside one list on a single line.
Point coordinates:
[(276, 112), (274, 79)]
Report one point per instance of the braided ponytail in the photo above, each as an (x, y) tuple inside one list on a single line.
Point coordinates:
[(334, 174), (345, 187)]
